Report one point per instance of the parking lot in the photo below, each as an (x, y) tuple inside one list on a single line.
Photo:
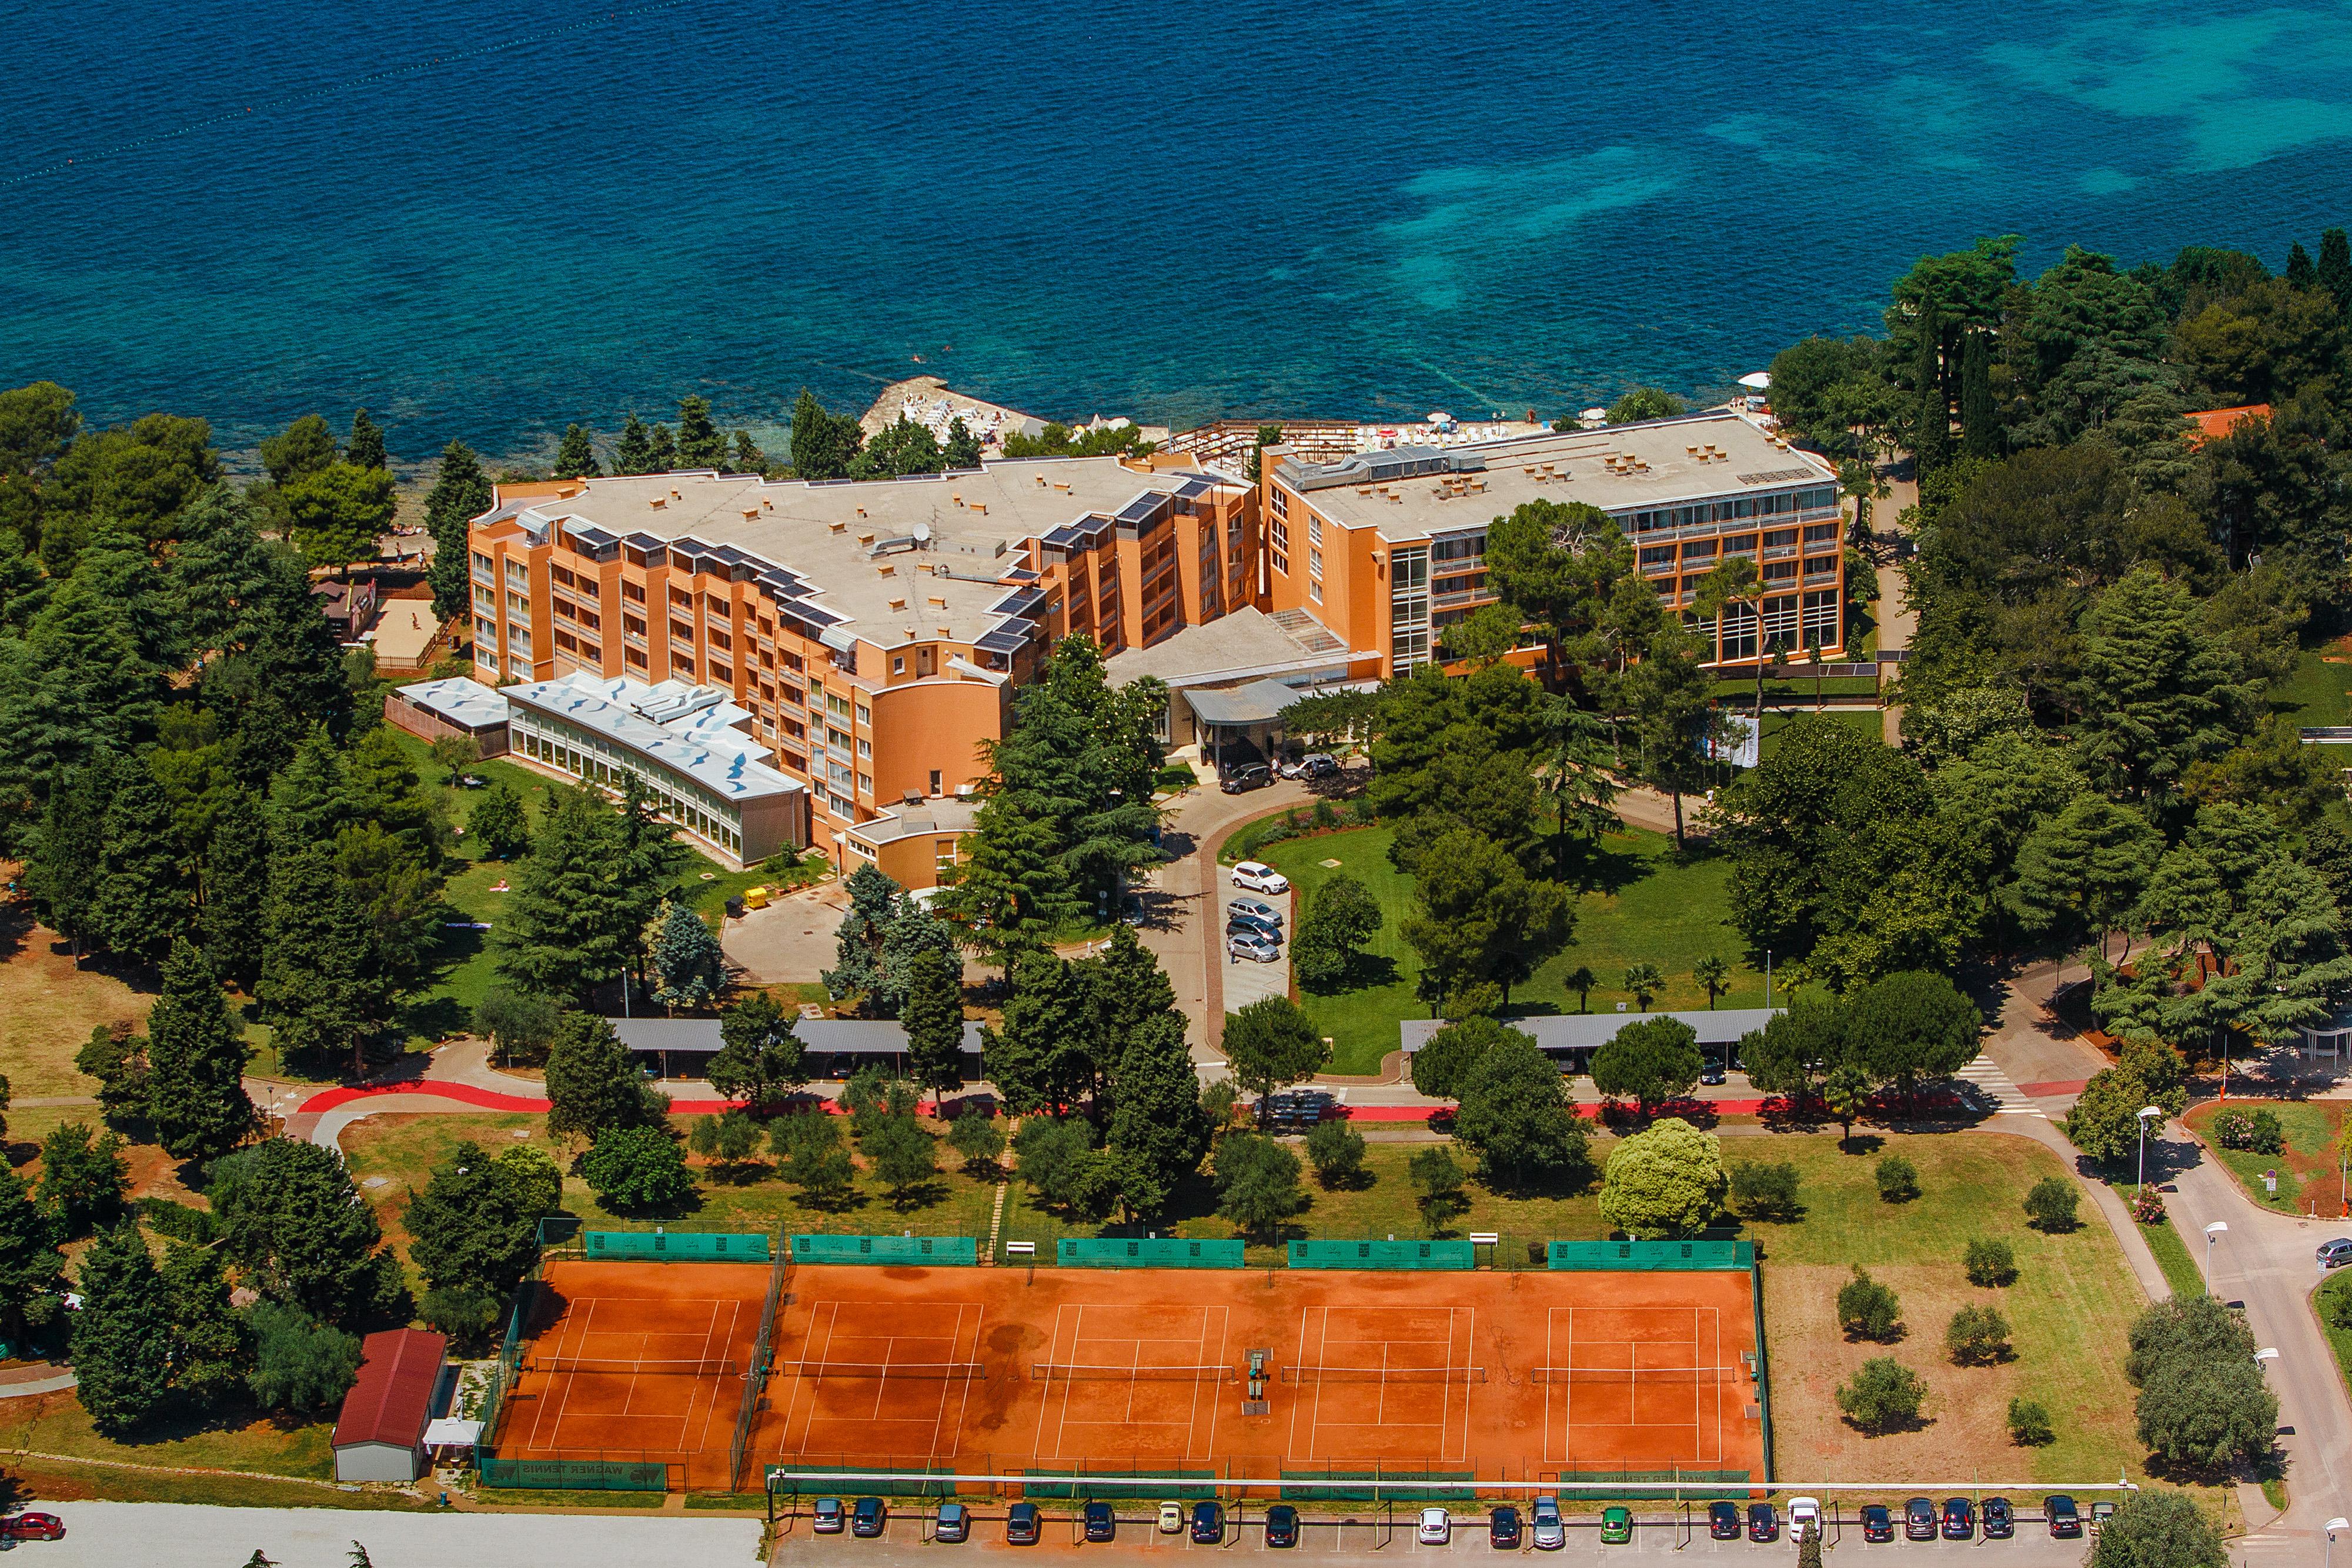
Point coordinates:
[(1247, 980)]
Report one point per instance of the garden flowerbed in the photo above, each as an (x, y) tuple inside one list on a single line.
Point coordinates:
[(2305, 1166)]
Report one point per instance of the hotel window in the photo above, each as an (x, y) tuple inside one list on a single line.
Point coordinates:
[(1657, 556), (1781, 623), (1819, 533), (482, 572), (1314, 561), (1281, 502), (864, 747), (722, 674), (1315, 589), (935, 780), (485, 599), (866, 783), (485, 657), (1779, 572), (898, 664), (1820, 619), (519, 668), (633, 592), (837, 706), (943, 853), (679, 664), (518, 640), (865, 713), (518, 574), (486, 633), (680, 597), (561, 575), (518, 605), (719, 639), (1739, 632), (1314, 527), (1278, 536), (680, 631)]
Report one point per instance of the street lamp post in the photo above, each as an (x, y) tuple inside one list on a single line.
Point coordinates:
[(2219, 1228), (2268, 1354), (2333, 1526), (2144, 1112)]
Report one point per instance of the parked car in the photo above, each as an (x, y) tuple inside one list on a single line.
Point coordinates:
[(1503, 1528), (954, 1522), (2065, 1523), (1999, 1523), (1256, 949), (1241, 780), (1260, 877), (1314, 764), (1877, 1524), (2336, 1253), (2101, 1511), (1259, 908), (827, 1517), (1616, 1525), (1763, 1524), (1101, 1523), (1020, 1525), (1919, 1520), (1436, 1527), (1723, 1521), (34, 1527), (1805, 1515), (1171, 1518), (1550, 1531), (867, 1515), (1208, 1522), (1281, 1525), (1959, 1518), (1712, 1073), (1241, 922)]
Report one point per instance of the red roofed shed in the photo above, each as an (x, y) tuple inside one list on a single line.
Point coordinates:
[(380, 1433), (2214, 422)]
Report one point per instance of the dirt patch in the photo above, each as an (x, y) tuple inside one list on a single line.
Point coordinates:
[(51, 1005)]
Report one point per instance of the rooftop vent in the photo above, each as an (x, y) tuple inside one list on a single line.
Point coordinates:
[(659, 502)]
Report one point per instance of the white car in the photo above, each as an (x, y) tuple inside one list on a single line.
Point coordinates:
[(1260, 877), (1256, 949), (1314, 764), (1436, 1528), (1804, 1514), (1172, 1517)]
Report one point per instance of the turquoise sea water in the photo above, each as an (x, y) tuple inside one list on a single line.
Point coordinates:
[(485, 220)]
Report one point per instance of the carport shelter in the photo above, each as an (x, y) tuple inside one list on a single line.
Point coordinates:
[(831, 1048), (1571, 1038), (380, 1432)]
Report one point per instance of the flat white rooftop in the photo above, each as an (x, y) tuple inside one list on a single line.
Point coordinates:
[(688, 729)]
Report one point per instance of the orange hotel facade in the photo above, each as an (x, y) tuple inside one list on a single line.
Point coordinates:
[(874, 631)]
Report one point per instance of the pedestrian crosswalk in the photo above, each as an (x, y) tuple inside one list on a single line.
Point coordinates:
[(1985, 1078)]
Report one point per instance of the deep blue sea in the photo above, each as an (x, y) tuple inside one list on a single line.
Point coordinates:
[(485, 220)]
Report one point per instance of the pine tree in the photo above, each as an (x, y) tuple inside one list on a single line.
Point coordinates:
[(211, 1352), (661, 451), (140, 904), (236, 882), (122, 1364), (292, 1219), (913, 930), (76, 687), (2335, 270), (749, 458), (858, 942), (32, 1270), (196, 1061), (823, 445), (498, 828), (62, 874), (319, 988), (593, 1082), (83, 1178), (932, 1012), (1931, 442), (635, 452), (2300, 273), (566, 926), (686, 960), (1010, 891), (575, 454), (1980, 431), (1156, 1125), (366, 448), (700, 444), (651, 861), (461, 493), (760, 1055), (962, 448), (1043, 1055)]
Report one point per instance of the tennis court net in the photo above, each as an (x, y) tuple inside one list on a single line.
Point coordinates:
[(876, 1371), (1075, 1372), (1307, 1376), (1543, 1376), (621, 1364)]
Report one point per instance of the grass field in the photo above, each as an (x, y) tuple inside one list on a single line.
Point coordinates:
[(1641, 901), (46, 1481), (2308, 1174), (2325, 1302), (51, 1004), (2317, 692), (57, 1424), (1798, 689), (1867, 722)]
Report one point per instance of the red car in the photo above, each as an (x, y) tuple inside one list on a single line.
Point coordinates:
[(34, 1527)]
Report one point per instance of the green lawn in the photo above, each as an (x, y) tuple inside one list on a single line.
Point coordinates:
[(2325, 1302), (2307, 1169), (1867, 722), (1639, 901), (2172, 1255), (2317, 693), (1798, 689)]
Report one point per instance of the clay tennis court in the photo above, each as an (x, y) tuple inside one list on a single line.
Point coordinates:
[(1516, 1375)]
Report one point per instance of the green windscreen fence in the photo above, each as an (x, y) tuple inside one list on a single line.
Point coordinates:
[(1107, 1486), (1145, 1252), (863, 1481), (1413, 1487), (1381, 1255), (674, 1246), (1649, 1486), (1636, 1256), (574, 1475), (939, 1251)]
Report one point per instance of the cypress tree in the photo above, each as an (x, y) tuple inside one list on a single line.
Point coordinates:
[(2300, 273), (931, 1011), (1979, 414), (575, 455), (32, 1270), (196, 1063), (2335, 269), (235, 882), (635, 452), (140, 904), (366, 448), (700, 444), (122, 1362), (1931, 442), (461, 493), (68, 851)]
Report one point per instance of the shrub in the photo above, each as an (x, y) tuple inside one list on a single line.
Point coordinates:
[(977, 1137), (2147, 1207), (2265, 1136), (2339, 1304), (2051, 1204), (1868, 1310), (1884, 1396), (1976, 1336), (2256, 1132), (1992, 1262), (1765, 1190), (2231, 1129), (636, 1167), (1899, 1179), (1336, 1150), (2029, 1425)]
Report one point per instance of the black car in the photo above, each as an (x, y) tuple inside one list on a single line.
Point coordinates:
[(1020, 1525), (1241, 780), (1723, 1521), (2000, 1524), (1763, 1524), (1711, 1074), (1281, 1525), (1877, 1524), (1919, 1520), (866, 1517), (1959, 1518), (1503, 1527), (1101, 1523), (1208, 1523), (1242, 920), (2065, 1523)]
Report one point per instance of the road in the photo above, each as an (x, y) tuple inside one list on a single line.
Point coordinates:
[(174, 1535)]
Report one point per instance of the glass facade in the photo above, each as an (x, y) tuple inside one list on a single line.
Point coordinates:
[(1408, 608)]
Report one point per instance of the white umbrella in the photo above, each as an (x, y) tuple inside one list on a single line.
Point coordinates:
[(1759, 380)]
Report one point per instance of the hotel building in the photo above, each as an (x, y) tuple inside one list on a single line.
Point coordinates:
[(1387, 548)]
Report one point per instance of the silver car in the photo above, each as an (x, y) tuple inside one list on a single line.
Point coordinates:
[(1259, 908), (2336, 1253), (1256, 949), (1550, 1533)]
